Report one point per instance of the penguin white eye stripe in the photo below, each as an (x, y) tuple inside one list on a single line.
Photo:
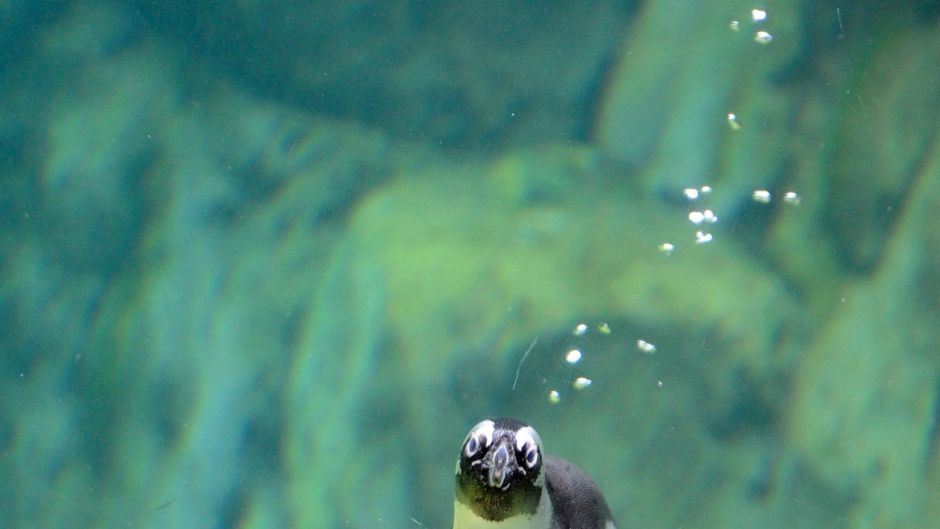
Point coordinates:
[(527, 435), (528, 445)]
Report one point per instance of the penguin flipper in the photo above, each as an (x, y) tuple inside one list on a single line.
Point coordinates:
[(577, 502)]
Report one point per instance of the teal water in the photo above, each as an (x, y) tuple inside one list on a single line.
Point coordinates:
[(264, 263)]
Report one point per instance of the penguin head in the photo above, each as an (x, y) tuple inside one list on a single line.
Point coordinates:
[(499, 471)]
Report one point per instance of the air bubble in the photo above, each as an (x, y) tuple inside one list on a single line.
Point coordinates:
[(581, 383), (762, 37), (573, 356), (645, 347), (702, 237), (792, 198)]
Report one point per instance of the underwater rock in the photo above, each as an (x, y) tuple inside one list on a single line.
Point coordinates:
[(887, 128), (470, 252), (866, 394)]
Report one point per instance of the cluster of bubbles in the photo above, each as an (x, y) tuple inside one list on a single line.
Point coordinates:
[(701, 217), (764, 197), (704, 217), (575, 355), (758, 16)]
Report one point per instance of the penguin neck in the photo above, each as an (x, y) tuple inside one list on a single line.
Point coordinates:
[(465, 518)]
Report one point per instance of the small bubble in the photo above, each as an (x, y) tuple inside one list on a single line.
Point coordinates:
[(733, 121), (603, 328), (690, 193), (645, 347), (702, 237), (659, 383), (696, 217), (581, 383), (761, 195), (667, 248), (573, 356), (705, 189), (735, 25), (709, 216), (758, 15), (791, 197), (580, 329), (762, 37), (554, 397)]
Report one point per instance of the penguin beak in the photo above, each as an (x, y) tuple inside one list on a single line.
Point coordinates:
[(500, 464)]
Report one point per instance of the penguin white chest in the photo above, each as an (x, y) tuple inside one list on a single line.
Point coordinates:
[(464, 518)]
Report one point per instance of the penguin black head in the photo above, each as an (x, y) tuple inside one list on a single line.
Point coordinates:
[(499, 472)]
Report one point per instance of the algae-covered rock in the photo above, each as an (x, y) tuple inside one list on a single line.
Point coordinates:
[(886, 131), (862, 136), (464, 256), (866, 393)]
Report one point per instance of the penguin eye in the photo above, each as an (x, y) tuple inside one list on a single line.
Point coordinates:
[(472, 446), (479, 438), (531, 455)]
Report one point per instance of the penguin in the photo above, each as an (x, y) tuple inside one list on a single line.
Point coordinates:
[(504, 480)]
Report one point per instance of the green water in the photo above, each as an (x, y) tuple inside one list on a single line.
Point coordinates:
[(264, 263)]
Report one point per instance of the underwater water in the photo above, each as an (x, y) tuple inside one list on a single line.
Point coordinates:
[(265, 263)]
